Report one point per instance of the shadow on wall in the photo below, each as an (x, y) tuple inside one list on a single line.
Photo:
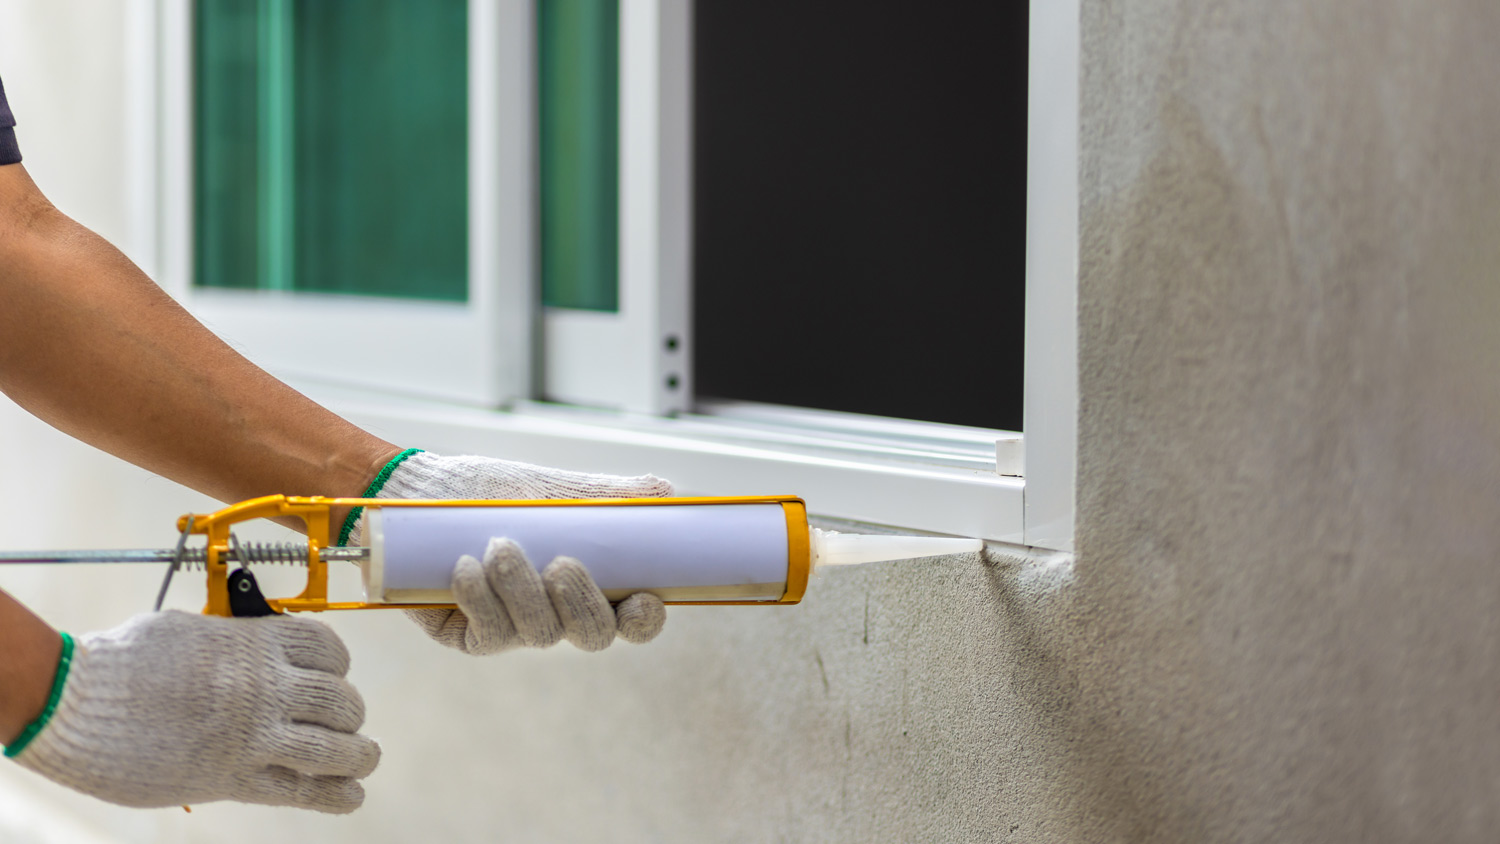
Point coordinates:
[(1080, 742)]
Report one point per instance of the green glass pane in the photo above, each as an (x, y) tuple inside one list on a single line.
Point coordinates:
[(225, 192), (381, 147), (578, 73), (332, 146)]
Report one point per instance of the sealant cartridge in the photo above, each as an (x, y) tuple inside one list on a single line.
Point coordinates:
[(683, 550)]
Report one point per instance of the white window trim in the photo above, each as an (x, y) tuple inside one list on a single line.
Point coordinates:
[(860, 488), (1050, 415), (1036, 511)]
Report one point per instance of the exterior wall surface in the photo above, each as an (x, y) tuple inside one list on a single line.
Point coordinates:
[(1286, 623), (1283, 619)]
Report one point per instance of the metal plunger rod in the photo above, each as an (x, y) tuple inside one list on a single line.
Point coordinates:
[(165, 555)]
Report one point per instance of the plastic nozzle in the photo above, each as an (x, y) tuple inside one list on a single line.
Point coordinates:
[(831, 548)]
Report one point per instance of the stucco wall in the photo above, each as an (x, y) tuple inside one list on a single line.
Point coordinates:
[(1288, 597), (1281, 620)]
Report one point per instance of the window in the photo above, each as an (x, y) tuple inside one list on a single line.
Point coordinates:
[(584, 176)]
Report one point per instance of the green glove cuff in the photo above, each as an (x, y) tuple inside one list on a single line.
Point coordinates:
[(374, 489), (59, 680)]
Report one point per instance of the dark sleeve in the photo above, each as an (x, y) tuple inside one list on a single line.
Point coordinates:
[(10, 153)]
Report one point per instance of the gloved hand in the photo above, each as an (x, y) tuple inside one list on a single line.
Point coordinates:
[(171, 708), (503, 602)]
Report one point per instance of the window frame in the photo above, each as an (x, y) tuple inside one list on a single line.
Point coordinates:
[(1049, 415), (1031, 504)]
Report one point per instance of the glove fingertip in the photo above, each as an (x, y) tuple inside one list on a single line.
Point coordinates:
[(640, 618), (336, 796), (502, 549), (281, 786), (519, 587), (653, 487), (352, 798), (468, 579), (370, 758)]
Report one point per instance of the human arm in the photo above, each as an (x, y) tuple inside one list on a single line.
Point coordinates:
[(92, 346), (27, 664), (89, 344)]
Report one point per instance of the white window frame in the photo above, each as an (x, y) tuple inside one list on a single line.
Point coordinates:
[(1050, 413), (913, 481)]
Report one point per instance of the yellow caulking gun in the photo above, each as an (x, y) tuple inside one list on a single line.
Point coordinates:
[(746, 550)]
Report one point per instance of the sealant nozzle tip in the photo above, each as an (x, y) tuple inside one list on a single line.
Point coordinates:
[(830, 548)]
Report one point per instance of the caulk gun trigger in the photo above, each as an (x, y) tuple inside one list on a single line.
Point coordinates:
[(245, 599)]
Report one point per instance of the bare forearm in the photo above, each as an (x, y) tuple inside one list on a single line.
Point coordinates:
[(89, 344), (28, 660)]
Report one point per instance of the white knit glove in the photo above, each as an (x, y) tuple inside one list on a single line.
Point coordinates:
[(172, 708), (504, 603)]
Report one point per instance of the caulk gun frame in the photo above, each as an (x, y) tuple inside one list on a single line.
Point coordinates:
[(314, 512)]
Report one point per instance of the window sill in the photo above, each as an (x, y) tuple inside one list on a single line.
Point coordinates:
[(915, 488)]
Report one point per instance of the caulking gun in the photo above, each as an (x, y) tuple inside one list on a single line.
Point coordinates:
[(718, 551)]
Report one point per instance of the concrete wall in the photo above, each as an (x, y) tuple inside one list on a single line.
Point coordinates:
[(1281, 621)]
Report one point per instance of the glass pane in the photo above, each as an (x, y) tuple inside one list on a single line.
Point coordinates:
[(578, 45), (332, 146), (226, 250), (866, 165)]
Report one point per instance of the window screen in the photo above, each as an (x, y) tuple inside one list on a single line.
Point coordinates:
[(860, 198), (330, 146)]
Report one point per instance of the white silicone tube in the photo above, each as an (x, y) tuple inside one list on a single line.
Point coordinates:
[(686, 552), (681, 550)]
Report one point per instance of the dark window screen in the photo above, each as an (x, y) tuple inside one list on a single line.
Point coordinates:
[(860, 206)]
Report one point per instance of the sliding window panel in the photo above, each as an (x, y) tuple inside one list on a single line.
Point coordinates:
[(349, 188), (578, 73), (629, 351)]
